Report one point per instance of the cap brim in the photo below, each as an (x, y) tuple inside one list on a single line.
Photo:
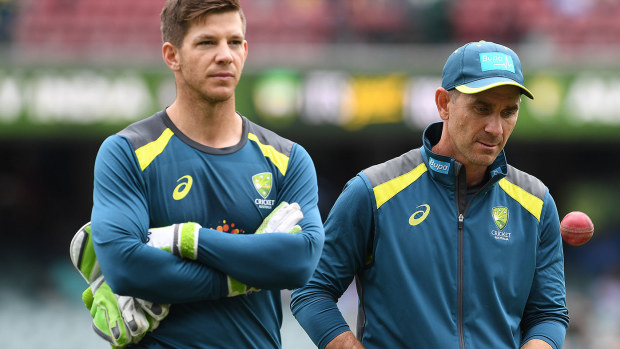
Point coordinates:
[(489, 83)]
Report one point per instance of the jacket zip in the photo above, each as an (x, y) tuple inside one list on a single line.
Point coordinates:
[(461, 198), (462, 205), (460, 283)]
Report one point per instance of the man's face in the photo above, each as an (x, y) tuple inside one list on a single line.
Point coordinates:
[(479, 124), (212, 57)]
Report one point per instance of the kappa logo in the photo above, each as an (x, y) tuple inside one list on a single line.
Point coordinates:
[(183, 188), (420, 215)]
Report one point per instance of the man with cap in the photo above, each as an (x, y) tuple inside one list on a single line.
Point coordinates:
[(449, 245)]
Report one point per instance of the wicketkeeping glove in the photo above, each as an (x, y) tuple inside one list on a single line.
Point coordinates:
[(117, 319), (121, 320), (178, 239), (283, 219)]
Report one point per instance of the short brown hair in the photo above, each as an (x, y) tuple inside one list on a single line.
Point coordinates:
[(454, 93), (178, 15)]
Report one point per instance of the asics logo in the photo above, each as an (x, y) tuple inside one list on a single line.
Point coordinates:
[(183, 188), (420, 215)]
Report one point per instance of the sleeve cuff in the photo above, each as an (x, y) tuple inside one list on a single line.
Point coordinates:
[(331, 335), (321, 320), (550, 331)]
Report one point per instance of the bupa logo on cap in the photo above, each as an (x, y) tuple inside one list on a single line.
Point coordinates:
[(496, 61), (439, 166)]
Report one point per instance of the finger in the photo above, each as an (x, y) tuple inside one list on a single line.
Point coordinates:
[(133, 316), (154, 324), (87, 298), (286, 211), (107, 319), (295, 230), (271, 221), (290, 220), (279, 211), (109, 326), (156, 311)]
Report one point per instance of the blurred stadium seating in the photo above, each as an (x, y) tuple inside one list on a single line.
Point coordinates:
[(88, 24)]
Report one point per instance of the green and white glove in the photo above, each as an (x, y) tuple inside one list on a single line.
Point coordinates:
[(178, 239), (83, 255), (120, 320), (283, 219), (117, 319)]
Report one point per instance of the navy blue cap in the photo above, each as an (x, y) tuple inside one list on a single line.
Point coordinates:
[(479, 66)]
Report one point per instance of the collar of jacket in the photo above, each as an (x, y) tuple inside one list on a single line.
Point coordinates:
[(445, 169)]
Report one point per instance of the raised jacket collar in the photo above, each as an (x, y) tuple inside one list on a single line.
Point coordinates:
[(445, 169)]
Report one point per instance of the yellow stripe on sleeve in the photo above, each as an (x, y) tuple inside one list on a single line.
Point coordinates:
[(530, 202), (386, 191), (147, 153), (278, 159)]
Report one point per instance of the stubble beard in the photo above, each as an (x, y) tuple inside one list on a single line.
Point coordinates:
[(206, 95)]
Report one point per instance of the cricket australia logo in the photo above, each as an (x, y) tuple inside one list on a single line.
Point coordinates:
[(263, 183), (500, 217)]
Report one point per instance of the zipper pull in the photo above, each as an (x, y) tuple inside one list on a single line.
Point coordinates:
[(461, 220)]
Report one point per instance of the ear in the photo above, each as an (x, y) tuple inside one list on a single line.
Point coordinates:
[(442, 99), (170, 54), (245, 48)]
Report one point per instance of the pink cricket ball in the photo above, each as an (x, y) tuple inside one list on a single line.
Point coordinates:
[(576, 228)]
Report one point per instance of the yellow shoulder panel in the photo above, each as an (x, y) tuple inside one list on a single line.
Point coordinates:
[(147, 153), (278, 159), (386, 191), (528, 201)]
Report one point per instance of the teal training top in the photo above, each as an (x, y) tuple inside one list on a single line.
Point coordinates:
[(152, 175), (437, 264)]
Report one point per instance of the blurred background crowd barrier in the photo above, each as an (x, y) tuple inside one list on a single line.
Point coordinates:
[(350, 80)]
